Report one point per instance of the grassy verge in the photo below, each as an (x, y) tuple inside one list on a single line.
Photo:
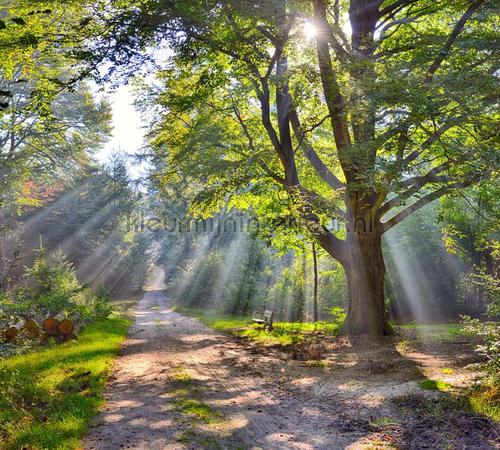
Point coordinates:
[(439, 332), (485, 399), (49, 396), (283, 333)]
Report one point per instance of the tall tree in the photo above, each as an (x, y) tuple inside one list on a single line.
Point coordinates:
[(388, 107)]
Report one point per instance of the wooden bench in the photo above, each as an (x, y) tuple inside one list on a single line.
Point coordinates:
[(267, 320)]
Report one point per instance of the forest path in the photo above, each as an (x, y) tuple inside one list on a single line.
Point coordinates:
[(178, 384)]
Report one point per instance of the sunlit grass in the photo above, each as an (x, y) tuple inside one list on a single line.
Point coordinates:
[(283, 333), (49, 396), (434, 385)]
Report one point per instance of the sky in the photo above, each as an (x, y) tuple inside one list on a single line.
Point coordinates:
[(128, 131)]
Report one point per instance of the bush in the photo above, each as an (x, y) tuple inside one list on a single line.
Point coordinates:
[(51, 286), (489, 332)]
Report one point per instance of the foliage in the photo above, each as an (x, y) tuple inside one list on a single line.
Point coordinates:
[(49, 396), (485, 398), (52, 284), (489, 332), (51, 287)]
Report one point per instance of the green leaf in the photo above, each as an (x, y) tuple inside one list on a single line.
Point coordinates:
[(2, 25)]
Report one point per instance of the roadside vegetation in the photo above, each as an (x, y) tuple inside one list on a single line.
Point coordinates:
[(50, 394), (283, 333)]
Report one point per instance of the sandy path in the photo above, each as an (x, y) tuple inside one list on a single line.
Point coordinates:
[(266, 401)]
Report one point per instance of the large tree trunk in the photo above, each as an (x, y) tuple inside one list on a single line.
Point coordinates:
[(365, 271)]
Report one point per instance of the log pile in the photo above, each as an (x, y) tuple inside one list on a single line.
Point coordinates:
[(60, 327)]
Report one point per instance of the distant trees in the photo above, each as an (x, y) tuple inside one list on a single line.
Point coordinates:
[(57, 142), (471, 224), (50, 124)]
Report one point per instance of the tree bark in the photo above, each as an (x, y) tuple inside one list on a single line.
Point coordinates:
[(365, 271), (315, 290)]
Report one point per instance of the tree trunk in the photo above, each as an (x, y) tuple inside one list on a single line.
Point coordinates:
[(365, 271), (315, 288)]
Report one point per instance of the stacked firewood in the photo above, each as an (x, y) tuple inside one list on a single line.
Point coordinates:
[(61, 327)]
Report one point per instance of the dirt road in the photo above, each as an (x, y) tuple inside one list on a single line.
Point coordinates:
[(178, 384)]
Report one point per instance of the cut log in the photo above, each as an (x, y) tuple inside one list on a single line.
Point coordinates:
[(11, 334), (50, 326), (66, 327), (31, 329)]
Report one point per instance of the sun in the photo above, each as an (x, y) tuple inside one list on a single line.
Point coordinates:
[(310, 30)]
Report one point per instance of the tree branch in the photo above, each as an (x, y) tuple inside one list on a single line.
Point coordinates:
[(396, 5), (334, 99), (431, 140), (425, 201), (451, 39), (416, 183), (323, 171)]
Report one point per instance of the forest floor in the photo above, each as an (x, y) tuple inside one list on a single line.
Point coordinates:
[(178, 384)]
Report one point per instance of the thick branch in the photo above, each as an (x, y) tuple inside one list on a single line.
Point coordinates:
[(434, 137), (425, 201), (251, 146), (451, 39), (416, 183), (332, 244), (331, 89), (323, 171), (394, 6)]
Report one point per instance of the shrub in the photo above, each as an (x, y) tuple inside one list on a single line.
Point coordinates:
[(489, 332), (51, 286)]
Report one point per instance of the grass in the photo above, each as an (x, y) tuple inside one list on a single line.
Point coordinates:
[(49, 395), (434, 385), (194, 412), (283, 333), (485, 399), (443, 332), (383, 422), (187, 401)]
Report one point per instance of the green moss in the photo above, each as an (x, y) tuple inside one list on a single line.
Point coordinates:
[(49, 396), (186, 398), (197, 409)]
